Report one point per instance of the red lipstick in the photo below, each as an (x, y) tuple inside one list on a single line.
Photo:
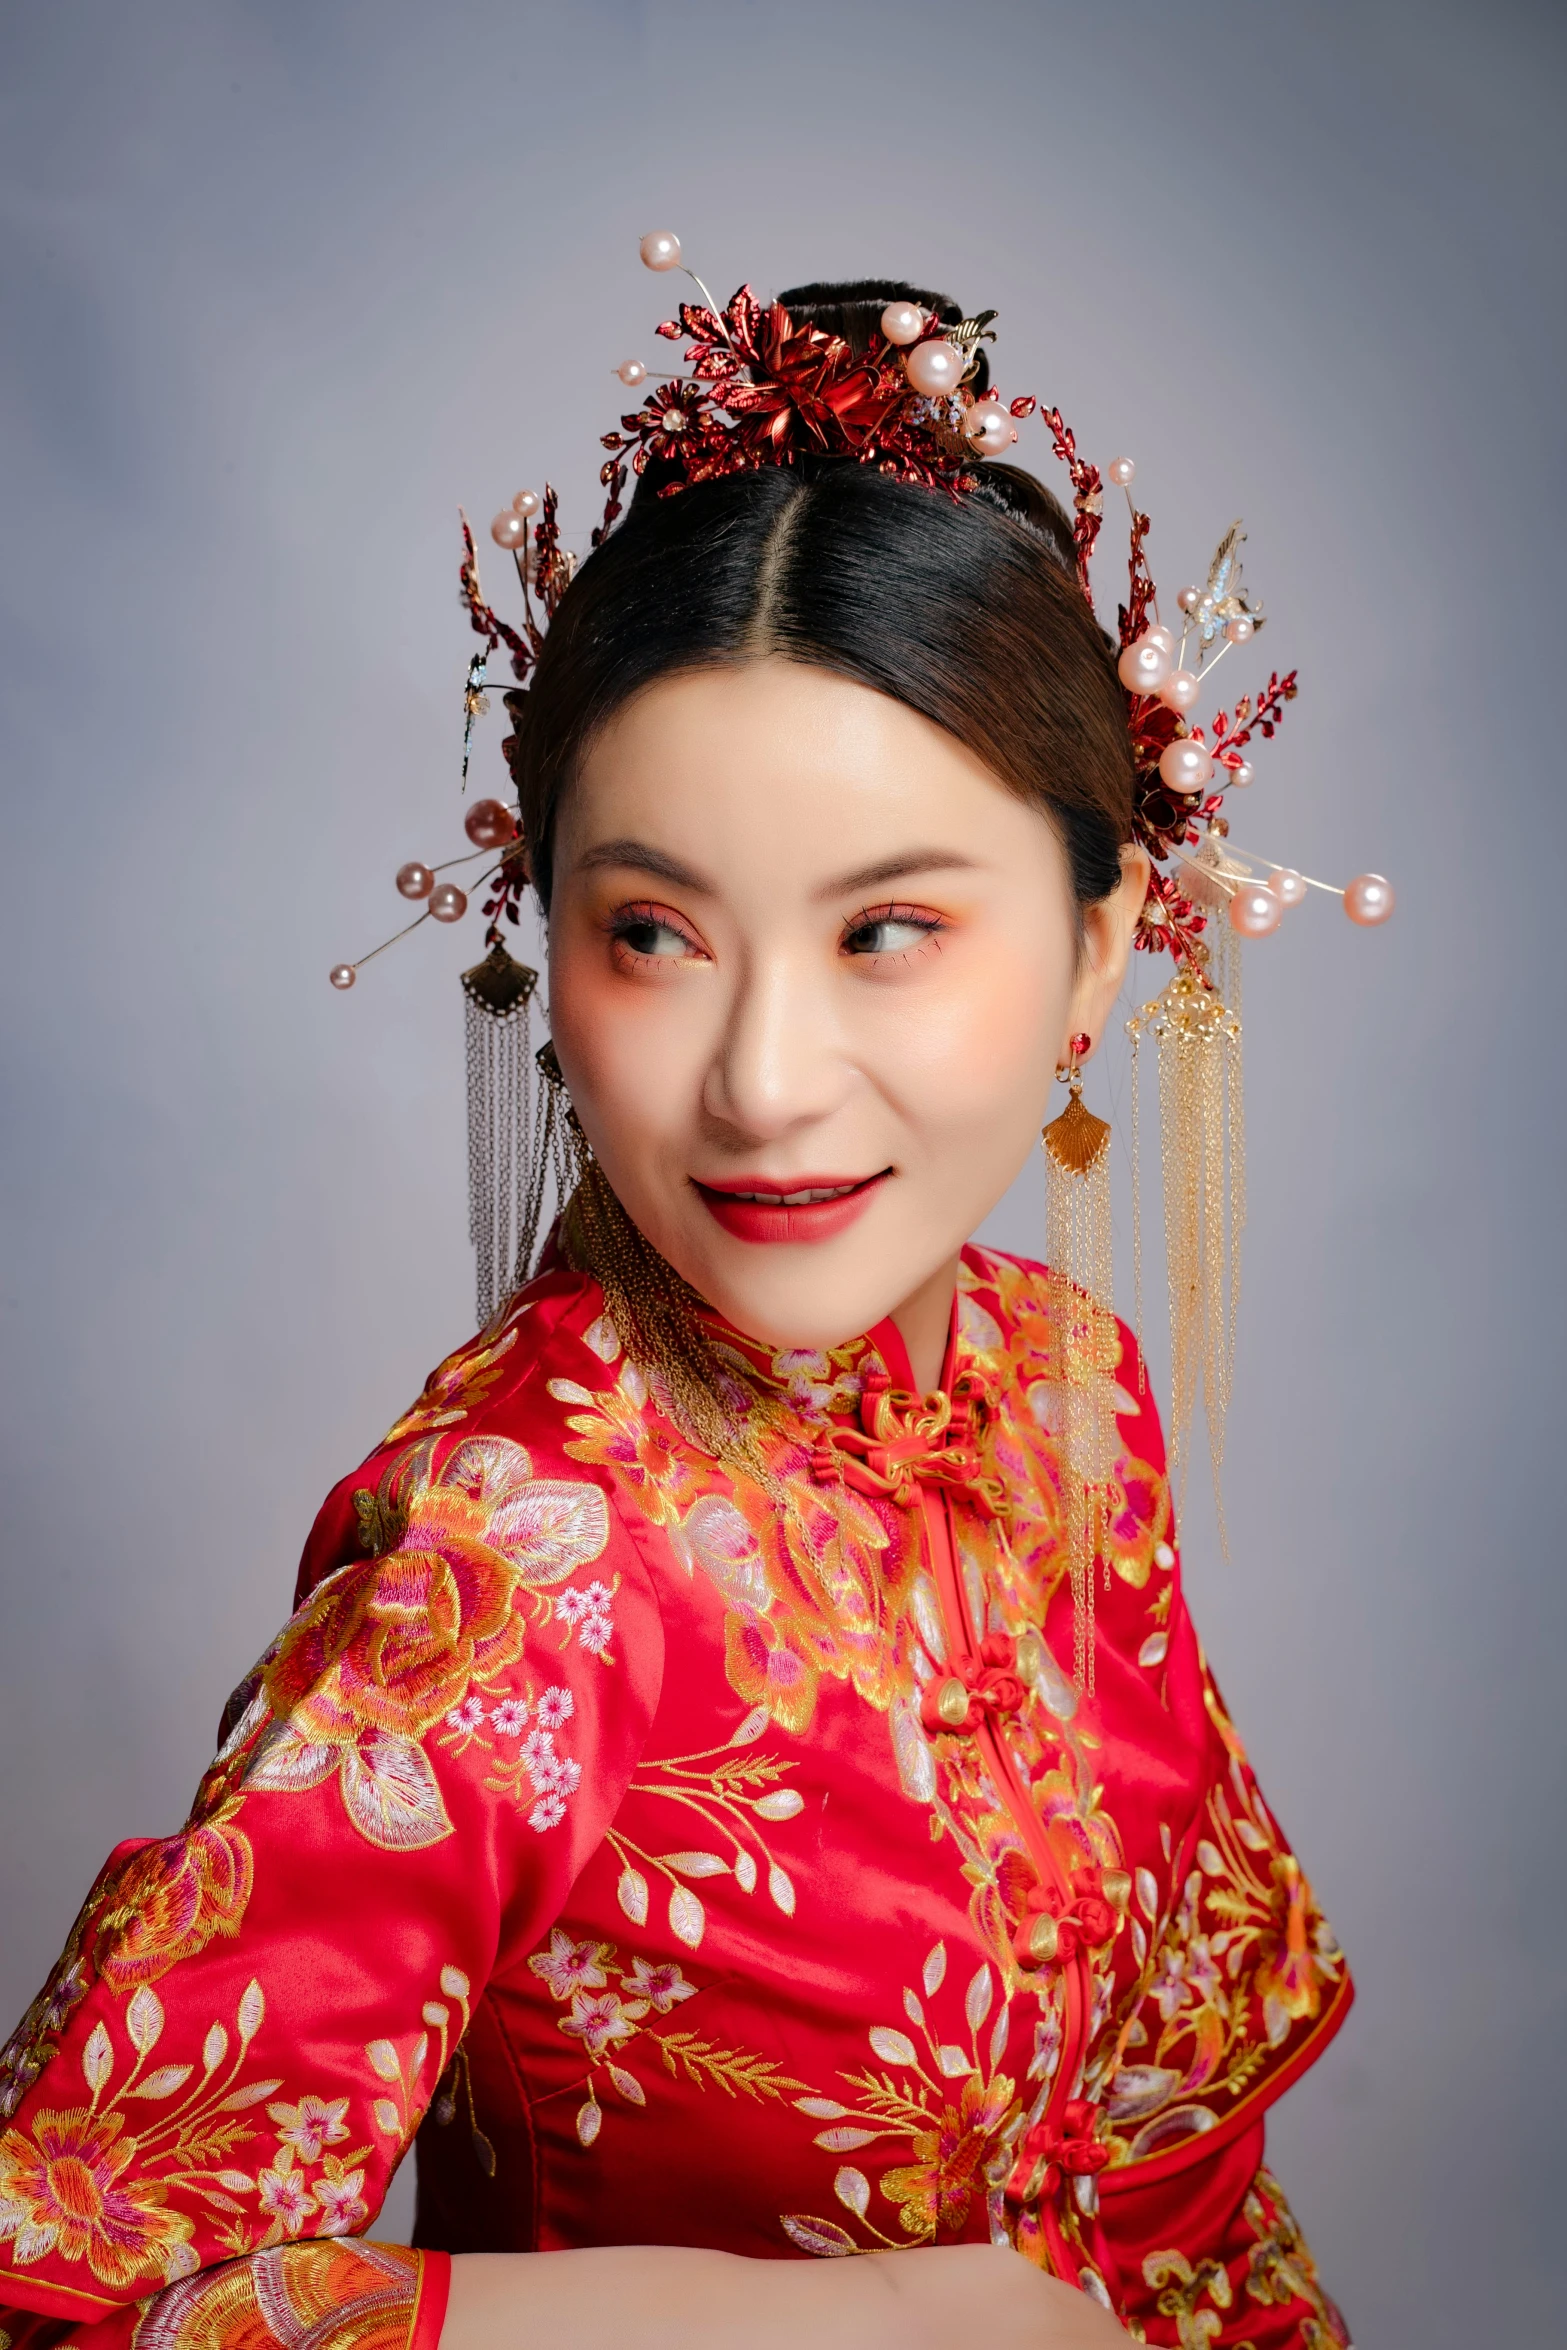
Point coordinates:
[(802, 1208)]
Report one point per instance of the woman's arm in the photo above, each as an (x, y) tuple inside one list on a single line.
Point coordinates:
[(656, 2297), (202, 2110)]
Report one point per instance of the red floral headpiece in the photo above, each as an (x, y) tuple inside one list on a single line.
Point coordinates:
[(764, 388)]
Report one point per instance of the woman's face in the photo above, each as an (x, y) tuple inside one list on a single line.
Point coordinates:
[(812, 969)]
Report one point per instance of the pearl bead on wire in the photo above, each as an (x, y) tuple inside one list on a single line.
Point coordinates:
[(936, 368), (414, 880), (488, 823), (1121, 470), (342, 975), (1158, 635), (1241, 774), (988, 429), (447, 902), (1288, 886), (1255, 911), (660, 249), (1368, 900), (509, 528), (1239, 629), (1143, 666), (1180, 690), (1189, 598), (526, 503), (631, 372), (903, 323), (1186, 766)]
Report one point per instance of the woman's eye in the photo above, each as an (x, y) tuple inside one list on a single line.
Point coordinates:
[(647, 934), (891, 933)]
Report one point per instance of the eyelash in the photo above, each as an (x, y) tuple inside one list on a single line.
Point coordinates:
[(645, 916), (919, 918)]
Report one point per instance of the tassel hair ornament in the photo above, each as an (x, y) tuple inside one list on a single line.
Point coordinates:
[(1202, 1152), (1079, 1256), (525, 1147)]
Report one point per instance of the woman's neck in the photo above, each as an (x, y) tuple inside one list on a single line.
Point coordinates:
[(924, 1320)]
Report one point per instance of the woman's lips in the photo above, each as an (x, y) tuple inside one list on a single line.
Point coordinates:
[(808, 1207)]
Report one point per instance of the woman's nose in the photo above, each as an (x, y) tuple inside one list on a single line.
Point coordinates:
[(779, 1063)]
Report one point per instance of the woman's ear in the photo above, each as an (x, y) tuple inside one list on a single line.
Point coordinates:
[(1109, 927)]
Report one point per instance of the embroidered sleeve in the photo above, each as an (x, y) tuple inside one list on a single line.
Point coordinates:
[(1213, 2259), (335, 2296), (251, 2017)]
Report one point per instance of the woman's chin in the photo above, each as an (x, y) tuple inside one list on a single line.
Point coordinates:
[(802, 1297)]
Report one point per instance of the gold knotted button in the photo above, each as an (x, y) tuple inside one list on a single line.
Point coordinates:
[(952, 1703), (1117, 1886), (1043, 1937), (1030, 1657)]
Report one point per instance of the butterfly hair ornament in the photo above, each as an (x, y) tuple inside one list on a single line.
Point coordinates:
[(761, 388)]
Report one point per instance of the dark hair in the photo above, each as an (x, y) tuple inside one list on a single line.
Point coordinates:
[(967, 611)]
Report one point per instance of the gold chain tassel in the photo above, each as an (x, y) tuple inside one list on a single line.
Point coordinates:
[(1081, 1269), (1202, 1150)]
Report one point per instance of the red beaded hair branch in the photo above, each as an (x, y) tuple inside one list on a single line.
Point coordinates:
[(764, 388)]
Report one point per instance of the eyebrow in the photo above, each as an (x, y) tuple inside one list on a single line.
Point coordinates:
[(642, 857)]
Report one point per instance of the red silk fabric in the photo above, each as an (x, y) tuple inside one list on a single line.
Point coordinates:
[(593, 1820)]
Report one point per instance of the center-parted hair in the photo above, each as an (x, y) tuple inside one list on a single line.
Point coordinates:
[(968, 611)]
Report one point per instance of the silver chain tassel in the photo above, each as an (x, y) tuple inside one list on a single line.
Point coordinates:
[(502, 1117)]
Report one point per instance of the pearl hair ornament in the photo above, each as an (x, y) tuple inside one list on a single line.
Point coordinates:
[(1186, 766), (936, 369)]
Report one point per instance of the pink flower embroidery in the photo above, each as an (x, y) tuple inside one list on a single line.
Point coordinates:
[(310, 2125), (510, 1717), (568, 1966), (547, 1813), (555, 1708), (663, 1985), (283, 2194), (341, 2202), (602, 2022), (468, 1715)]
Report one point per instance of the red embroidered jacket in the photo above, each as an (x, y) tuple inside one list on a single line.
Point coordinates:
[(689, 1855)]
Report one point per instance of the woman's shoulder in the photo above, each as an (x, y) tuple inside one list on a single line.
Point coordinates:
[(1008, 1316), (498, 1396)]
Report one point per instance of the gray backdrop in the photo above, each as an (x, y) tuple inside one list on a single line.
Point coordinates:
[(284, 282)]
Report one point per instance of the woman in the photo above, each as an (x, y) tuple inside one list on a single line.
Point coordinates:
[(673, 1797)]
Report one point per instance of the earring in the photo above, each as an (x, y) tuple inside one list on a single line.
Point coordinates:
[(1079, 1256)]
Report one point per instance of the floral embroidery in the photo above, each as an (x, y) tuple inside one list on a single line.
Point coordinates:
[(577, 1972), (1243, 1945), (1280, 2268), (960, 2147), (399, 2115), (455, 1386), (310, 2125), (79, 2185), (63, 2189), (387, 1648), (728, 1795), (357, 2296), (172, 1898), (1185, 2286), (588, 1612)]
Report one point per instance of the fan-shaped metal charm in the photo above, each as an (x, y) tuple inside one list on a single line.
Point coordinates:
[(1077, 1140)]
